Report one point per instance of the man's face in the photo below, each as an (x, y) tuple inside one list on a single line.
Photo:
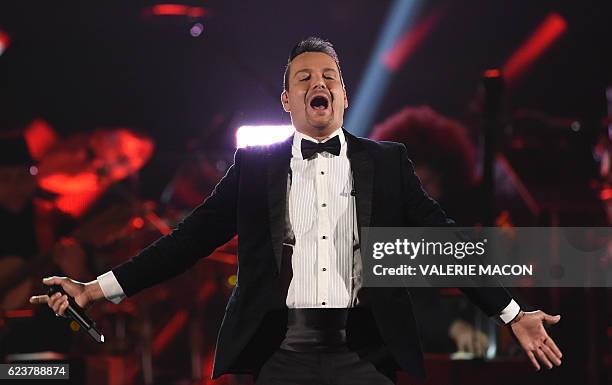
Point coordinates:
[(315, 98)]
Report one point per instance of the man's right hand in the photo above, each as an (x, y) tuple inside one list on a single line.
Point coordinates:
[(84, 294)]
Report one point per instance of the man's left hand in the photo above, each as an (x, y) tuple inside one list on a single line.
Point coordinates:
[(529, 330)]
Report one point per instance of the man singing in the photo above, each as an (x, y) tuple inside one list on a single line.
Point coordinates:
[(299, 313)]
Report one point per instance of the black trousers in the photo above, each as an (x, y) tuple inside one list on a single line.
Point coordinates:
[(315, 352), (345, 367)]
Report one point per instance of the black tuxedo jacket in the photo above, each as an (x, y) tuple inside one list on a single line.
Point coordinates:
[(250, 201)]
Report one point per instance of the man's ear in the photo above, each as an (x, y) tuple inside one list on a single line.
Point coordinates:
[(285, 101), (345, 98)]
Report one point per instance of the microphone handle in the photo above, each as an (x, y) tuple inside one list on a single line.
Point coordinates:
[(77, 313), (78, 316)]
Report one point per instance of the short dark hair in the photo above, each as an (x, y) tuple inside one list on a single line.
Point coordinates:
[(311, 44)]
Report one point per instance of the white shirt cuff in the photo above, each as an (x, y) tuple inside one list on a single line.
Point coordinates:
[(509, 312), (110, 287)]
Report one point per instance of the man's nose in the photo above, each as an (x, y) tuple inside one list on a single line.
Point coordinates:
[(318, 83)]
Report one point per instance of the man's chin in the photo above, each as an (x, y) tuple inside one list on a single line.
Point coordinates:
[(321, 124)]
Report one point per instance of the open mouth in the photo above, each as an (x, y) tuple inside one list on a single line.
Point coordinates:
[(319, 102)]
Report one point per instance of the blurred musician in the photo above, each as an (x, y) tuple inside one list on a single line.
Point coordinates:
[(30, 245), (445, 161)]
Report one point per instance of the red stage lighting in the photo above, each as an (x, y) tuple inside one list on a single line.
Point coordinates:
[(492, 73), (176, 10), (550, 30), (40, 137), (137, 223), (166, 335), (398, 55), (4, 41), (605, 194), (21, 313)]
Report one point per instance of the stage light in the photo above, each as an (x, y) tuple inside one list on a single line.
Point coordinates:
[(40, 137), (4, 41), (492, 73), (383, 60), (395, 58), (177, 10), (262, 135), (605, 194), (137, 223), (232, 279), (542, 38), (196, 30)]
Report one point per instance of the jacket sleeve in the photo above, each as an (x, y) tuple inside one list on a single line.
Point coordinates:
[(422, 210), (207, 227)]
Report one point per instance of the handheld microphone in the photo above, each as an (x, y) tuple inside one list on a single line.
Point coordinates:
[(77, 314)]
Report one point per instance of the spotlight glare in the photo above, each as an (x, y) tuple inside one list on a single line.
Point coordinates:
[(262, 135)]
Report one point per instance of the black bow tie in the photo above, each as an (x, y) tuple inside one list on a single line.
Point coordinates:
[(310, 148)]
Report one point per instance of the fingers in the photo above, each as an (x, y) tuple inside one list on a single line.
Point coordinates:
[(534, 362), (540, 348), (551, 344), (543, 359), (53, 301), (63, 306), (550, 355), (58, 303), (551, 319), (67, 284), (53, 280), (39, 299)]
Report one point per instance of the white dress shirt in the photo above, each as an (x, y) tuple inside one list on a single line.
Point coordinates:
[(322, 216)]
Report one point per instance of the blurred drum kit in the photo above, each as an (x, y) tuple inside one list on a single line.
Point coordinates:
[(92, 178)]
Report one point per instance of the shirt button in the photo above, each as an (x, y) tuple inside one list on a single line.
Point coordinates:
[(324, 205), (323, 303), (322, 172), (324, 269), (324, 237)]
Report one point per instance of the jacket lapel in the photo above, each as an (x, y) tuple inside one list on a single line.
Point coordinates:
[(279, 157), (362, 168)]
